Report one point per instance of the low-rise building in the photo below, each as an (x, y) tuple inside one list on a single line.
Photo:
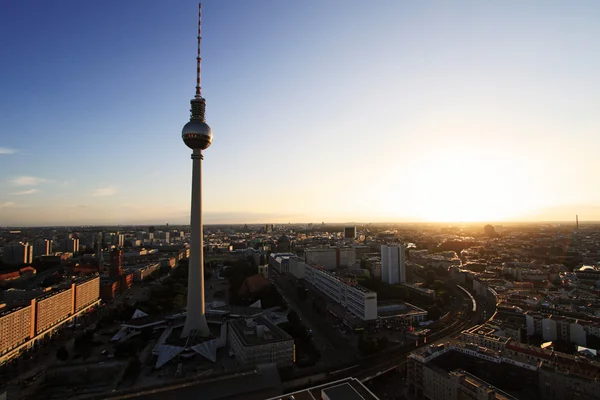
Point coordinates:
[(343, 389), (143, 272), (280, 262), (401, 314), (258, 341), (485, 335)]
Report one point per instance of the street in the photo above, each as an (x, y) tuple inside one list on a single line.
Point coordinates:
[(334, 348)]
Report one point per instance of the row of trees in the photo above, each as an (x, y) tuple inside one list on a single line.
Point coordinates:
[(306, 352)]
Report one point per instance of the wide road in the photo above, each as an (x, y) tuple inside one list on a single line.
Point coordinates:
[(334, 348)]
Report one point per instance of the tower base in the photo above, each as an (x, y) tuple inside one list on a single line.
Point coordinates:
[(195, 325)]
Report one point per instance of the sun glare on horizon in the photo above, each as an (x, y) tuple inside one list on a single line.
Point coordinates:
[(463, 185)]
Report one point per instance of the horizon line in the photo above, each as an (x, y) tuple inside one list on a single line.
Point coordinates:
[(314, 223)]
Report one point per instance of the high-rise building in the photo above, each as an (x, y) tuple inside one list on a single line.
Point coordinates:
[(393, 269), (197, 135), (118, 240), (18, 253), (42, 247), (72, 245), (116, 263), (349, 232), (489, 230)]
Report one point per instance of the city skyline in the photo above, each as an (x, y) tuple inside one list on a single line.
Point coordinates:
[(367, 113)]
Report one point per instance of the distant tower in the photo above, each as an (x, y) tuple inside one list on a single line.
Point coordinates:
[(350, 232), (116, 263), (393, 267), (99, 255), (197, 135), (577, 222)]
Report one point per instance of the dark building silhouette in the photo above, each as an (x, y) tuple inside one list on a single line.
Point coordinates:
[(116, 263), (490, 231)]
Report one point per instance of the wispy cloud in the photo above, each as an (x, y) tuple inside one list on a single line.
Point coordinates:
[(6, 150), (107, 191), (24, 192), (6, 204), (28, 181)]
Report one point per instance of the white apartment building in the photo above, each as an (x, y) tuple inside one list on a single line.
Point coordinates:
[(393, 268), (357, 300), (297, 267)]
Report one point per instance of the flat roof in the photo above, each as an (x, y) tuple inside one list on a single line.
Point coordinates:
[(257, 331), (82, 280), (51, 294), (344, 391), (398, 309), (4, 312)]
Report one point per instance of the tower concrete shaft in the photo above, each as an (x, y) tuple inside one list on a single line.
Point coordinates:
[(195, 322)]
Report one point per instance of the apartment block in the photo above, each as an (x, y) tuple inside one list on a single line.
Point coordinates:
[(53, 308), (87, 291), (359, 301), (21, 327), (15, 328)]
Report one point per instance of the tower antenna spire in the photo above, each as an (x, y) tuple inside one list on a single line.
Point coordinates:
[(198, 58)]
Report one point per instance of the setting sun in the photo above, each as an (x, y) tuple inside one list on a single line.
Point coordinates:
[(463, 185)]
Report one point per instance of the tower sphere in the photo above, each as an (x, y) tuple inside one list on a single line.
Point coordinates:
[(197, 134)]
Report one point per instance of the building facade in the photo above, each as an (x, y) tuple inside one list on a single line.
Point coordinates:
[(87, 291), (18, 253), (144, 272), (257, 341), (350, 232), (22, 327), (393, 267), (359, 301), (42, 247), (15, 328)]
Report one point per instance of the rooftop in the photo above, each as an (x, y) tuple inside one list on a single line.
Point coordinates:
[(257, 331), (397, 309), (493, 392), (344, 389), (6, 311)]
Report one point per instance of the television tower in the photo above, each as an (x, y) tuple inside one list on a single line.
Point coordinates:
[(197, 135)]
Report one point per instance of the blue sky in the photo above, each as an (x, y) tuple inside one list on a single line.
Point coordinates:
[(334, 111)]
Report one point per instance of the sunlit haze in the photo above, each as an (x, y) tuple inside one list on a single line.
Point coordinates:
[(321, 111)]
